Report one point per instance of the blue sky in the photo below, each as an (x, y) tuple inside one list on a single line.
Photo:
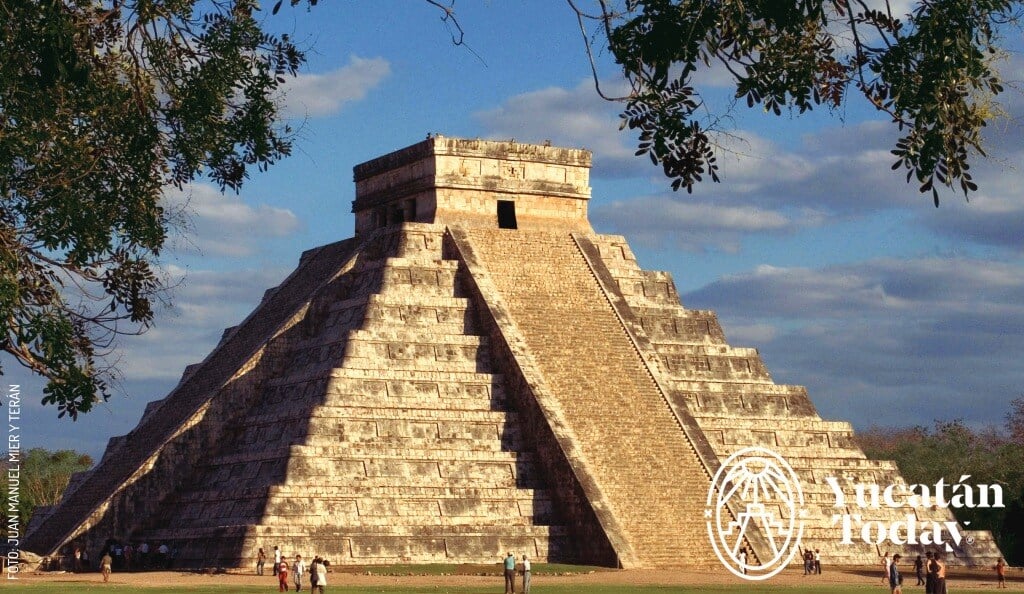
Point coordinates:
[(848, 281)]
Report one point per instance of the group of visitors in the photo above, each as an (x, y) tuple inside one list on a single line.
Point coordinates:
[(812, 562), (930, 572), (510, 574), (297, 569), (317, 571), (117, 556), (133, 556)]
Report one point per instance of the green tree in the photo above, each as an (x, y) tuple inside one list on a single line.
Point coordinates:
[(951, 450), (1015, 420), (103, 104), (42, 479), (931, 71)]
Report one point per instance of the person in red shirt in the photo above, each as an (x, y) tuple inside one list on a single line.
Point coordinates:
[(282, 576)]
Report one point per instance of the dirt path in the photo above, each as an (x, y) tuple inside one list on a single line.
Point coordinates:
[(961, 580)]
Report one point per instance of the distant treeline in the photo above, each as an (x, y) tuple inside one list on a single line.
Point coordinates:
[(950, 450), (42, 476)]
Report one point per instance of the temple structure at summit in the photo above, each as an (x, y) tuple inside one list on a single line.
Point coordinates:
[(475, 371)]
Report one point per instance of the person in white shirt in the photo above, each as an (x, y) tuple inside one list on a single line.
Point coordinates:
[(297, 570), (526, 575), (321, 575)]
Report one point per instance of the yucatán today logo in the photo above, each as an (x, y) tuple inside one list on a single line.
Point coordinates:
[(756, 499), (755, 490)]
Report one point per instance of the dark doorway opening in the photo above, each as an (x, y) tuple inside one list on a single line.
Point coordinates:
[(507, 214)]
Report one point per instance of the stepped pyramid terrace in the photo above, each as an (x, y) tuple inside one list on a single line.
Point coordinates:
[(476, 371)]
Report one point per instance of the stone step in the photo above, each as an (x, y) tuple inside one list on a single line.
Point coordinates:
[(714, 367), (424, 375), (345, 513), (353, 477), (394, 471), (646, 288), (391, 334), (410, 413), (719, 389), (812, 425), (329, 532), (406, 309), (431, 353), (473, 438), (414, 483), (363, 490), (409, 360), (419, 399), (445, 420), (675, 325), (445, 511), (706, 350), (370, 454), (401, 300), (413, 309), (376, 452)]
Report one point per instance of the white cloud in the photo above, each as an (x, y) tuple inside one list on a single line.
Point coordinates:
[(220, 224), (689, 225), (568, 117), (205, 302), (993, 217), (315, 95), (888, 341)]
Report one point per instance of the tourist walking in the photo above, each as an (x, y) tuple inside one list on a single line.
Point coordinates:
[(930, 568), (261, 559), (299, 568), (320, 570), (526, 575), (919, 570), (282, 576), (144, 555), (817, 561), (895, 579), (940, 574), (277, 559), (885, 568), (510, 573), (117, 552), (106, 563), (312, 574), (1001, 573)]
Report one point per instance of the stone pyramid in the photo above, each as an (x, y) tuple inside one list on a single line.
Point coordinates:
[(476, 371)]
